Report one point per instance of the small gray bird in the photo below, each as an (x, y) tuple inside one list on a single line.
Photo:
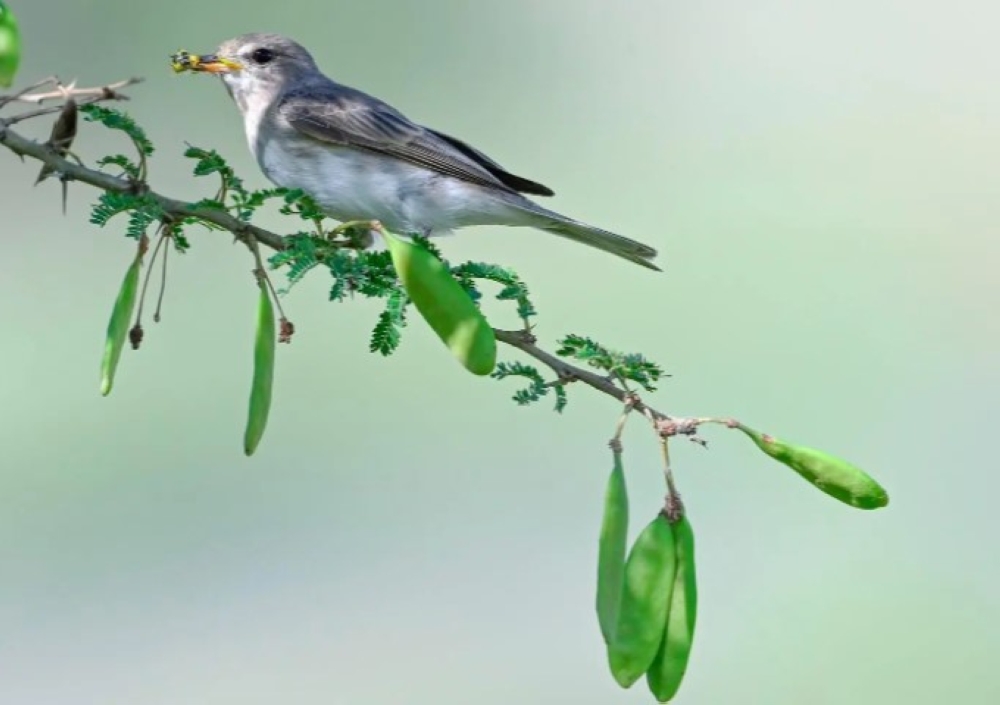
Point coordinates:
[(362, 159)]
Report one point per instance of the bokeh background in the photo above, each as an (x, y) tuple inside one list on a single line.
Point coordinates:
[(822, 181)]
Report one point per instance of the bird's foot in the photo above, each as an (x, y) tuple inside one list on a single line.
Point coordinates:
[(358, 233)]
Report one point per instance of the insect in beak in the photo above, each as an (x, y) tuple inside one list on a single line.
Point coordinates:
[(205, 63)]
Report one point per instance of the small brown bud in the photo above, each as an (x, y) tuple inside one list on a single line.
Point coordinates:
[(287, 331), (135, 336)]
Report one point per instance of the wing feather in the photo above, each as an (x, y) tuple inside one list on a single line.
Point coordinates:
[(343, 116)]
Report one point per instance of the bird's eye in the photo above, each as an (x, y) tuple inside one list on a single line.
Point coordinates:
[(262, 56)]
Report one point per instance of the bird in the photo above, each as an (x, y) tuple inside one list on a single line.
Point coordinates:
[(359, 158)]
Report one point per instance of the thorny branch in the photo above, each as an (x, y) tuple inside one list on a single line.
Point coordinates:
[(172, 207), (525, 341), (83, 96), (108, 92)]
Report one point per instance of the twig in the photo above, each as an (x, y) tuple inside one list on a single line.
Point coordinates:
[(525, 342), (106, 182), (616, 440), (167, 234), (108, 92), (86, 97), (673, 506), (161, 238), (260, 272), (11, 97)]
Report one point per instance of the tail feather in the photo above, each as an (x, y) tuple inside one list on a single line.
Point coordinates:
[(603, 240), (610, 242), (542, 218)]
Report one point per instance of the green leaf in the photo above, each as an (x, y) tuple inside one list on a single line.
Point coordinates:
[(181, 243), (297, 202), (370, 274), (530, 394), (263, 372), (118, 325), (561, 398), (301, 256), (121, 161), (208, 161), (143, 210), (627, 366), (667, 671), (835, 476), (445, 305), (387, 333), (140, 220), (10, 46), (119, 120), (612, 548), (513, 288)]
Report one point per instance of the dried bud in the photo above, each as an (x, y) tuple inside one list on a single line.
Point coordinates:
[(135, 336), (287, 331)]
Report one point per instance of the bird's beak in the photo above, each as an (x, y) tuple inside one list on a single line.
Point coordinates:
[(207, 63)]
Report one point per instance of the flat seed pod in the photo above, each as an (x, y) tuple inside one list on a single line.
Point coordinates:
[(10, 46), (445, 305), (667, 671), (835, 476), (263, 373), (646, 595), (118, 325), (612, 548)]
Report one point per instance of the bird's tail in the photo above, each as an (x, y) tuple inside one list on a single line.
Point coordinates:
[(553, 222)]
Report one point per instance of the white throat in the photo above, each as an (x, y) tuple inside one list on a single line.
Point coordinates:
[(239, 85)]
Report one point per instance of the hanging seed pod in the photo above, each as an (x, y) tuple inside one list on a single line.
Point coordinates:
[(612, 548), (646, 595), (667, 670), (118, 325), (445, 305), (837, 477), (263, 372)]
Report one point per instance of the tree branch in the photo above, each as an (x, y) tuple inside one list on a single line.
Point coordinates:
[(85, 96), (74, 172), (567, 372), (108, 92), (521, 340)]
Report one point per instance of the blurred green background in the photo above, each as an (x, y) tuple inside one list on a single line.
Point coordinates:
[(821, 181)]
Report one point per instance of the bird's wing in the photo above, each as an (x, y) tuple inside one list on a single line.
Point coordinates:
[(343, 116)]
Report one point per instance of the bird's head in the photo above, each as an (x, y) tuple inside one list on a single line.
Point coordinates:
[(252, 65)]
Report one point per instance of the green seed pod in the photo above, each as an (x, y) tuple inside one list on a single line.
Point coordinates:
[(445, 305), (667, 671), (837, 477), (611, 551), (118, 325), (10, 46), (263, 373), (649, 580)]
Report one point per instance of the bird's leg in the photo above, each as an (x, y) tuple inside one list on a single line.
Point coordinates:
[(351, 224), (358, 233)]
